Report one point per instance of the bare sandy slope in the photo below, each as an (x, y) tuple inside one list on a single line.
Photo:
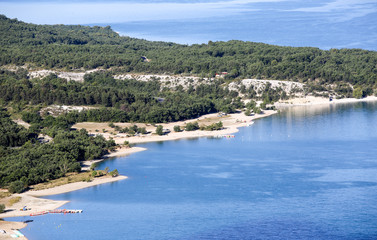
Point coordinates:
[(310, 100)]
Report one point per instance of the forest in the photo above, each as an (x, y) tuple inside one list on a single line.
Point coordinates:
[(70, 47), (25, 160)]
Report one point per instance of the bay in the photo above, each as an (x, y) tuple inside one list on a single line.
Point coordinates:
[(323, 24), (306, 173)]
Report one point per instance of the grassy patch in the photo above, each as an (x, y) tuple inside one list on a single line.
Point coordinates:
[(13, 200), (69, 178), (4, 194)]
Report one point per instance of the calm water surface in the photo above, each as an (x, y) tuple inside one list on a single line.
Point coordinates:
[(307, 173)]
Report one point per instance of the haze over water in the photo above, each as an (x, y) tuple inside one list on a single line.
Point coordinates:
[(307, 173), (315, 23)]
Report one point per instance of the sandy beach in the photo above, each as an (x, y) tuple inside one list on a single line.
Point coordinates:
[(231, 123), (32, 200), (8, 227), (311, 100)]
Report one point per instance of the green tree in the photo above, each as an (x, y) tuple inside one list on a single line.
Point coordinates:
[(358, 93), (93, 166), (17, 187), (160, 130), (177, 128), (2, 208), (114, 173), (192, 126)]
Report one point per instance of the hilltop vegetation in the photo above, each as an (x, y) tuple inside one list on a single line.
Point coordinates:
[(76, 47)]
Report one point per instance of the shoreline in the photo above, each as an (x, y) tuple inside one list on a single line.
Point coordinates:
[(311, 101), (232, 123), (120, 152), (33, 200)]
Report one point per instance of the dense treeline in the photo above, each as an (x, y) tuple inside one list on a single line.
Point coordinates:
[(11, 134), (115, 100), (35, 162), (74, 47), (24, 160)]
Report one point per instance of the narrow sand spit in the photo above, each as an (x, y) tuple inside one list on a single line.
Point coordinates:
[(32, 201), (231, 123)]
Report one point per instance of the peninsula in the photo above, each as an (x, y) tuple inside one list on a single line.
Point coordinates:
[(70, 94)]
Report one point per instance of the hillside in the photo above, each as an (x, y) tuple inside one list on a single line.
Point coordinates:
[(81, 47), (124, 79)]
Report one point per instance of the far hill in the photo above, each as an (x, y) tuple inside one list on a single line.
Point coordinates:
[(75, 47)]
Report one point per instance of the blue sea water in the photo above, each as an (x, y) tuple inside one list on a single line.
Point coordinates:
[(305, 173), (301, 23), (324, 24)]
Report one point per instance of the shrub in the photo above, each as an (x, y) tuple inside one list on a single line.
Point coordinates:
[(159, 130), (192, 126), (93, 166), (2, 208), (177, 128), (17, 187), (214, 127), (114, 173)]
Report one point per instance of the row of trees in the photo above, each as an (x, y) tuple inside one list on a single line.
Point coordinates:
[(75, 47), (116, 100)]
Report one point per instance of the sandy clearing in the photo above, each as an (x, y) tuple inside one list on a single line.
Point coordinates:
[(231, 123)]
